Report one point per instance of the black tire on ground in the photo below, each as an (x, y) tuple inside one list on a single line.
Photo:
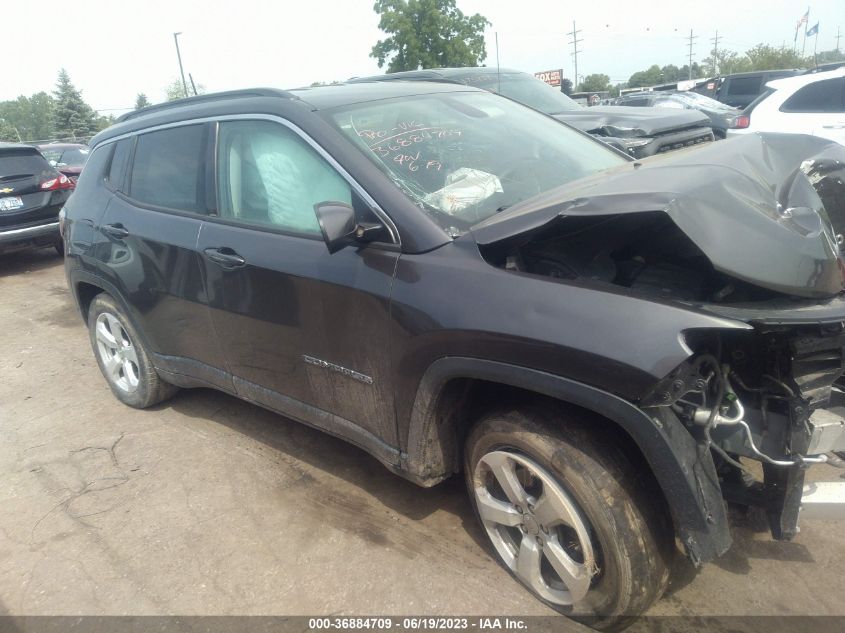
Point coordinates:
[(630, 529), (151, 389)]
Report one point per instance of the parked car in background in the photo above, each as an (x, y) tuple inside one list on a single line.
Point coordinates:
[(740, 89), (718, 113), (31, 194), (457, 283), (68, 158), (804, 104), (639, 133)]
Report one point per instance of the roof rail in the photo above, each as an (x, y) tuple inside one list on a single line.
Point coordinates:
[(214, 96)]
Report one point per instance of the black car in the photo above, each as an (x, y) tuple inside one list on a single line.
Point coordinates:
[(719, 113), (457, 283), (639, 133), (31, 195), (740, 89)]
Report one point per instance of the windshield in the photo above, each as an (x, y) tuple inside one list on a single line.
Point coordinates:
[(697, 99), (462, 157), (525, 89)]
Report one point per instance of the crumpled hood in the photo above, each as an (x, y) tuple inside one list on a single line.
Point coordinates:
[(751, 204), (627, 122)]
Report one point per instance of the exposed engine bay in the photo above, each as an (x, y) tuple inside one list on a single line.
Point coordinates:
[(761, 249)]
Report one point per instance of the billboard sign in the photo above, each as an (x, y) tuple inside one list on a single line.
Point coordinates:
[(551, 77)]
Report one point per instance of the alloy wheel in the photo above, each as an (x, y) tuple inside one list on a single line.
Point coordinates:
[(535, 527), (117, 353)]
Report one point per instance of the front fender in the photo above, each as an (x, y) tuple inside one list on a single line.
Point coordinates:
[(683, 469)]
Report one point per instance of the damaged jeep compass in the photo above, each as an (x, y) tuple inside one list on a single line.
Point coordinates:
[(610, 351)]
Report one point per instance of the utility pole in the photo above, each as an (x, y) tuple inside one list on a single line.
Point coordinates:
[(715, 41), (691, 38), (179, 56), (837, 39), (575, 52)]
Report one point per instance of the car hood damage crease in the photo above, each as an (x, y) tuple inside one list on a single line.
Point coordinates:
[(763, 209)]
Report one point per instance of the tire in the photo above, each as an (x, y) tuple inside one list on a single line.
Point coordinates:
[(123, 357), (616, 549)]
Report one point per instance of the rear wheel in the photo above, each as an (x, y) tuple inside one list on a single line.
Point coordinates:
[(568, 515), (122, 356)]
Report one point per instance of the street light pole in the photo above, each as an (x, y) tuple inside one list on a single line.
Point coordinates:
[(179, 57)]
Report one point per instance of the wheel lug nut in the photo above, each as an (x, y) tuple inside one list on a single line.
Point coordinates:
[(519, 509)]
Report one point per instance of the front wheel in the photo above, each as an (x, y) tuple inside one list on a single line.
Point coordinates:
[(122, 356), (568, 515)]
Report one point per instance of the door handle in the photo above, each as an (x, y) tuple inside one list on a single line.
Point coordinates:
[(224, 256), (116, 230)]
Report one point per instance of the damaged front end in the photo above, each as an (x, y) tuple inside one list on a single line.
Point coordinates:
[(746, 230)]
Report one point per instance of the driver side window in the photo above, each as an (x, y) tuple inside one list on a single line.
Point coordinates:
[(267, 175)]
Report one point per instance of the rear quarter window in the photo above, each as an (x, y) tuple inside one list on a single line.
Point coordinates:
[(117, 166), (168, 169), (819, 96)]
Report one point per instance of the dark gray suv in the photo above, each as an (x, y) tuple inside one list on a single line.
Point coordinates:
[(457, 283)]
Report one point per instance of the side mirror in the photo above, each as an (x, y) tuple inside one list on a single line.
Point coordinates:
[(337, 224)]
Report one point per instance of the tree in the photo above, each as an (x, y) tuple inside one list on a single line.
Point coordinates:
[(566, 86), (175, 90), (428, 34), (595, 83), (72, 116), (765, 57), (31, 116), (141, 101), (8, 133), (650, 77)]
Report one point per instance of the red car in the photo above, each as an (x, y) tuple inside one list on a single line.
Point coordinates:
[(68, 158)]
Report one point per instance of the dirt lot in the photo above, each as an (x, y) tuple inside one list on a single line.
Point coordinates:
[(209, 505)]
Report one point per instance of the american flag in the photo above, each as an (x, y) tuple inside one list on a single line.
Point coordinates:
[(803, 20)]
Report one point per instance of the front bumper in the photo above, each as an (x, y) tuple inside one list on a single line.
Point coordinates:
[(678, 140)]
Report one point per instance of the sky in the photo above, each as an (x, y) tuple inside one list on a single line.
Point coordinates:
[(115, 49)]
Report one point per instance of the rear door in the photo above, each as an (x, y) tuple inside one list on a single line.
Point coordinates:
[(304, 331), (147, 241), (817, 108)]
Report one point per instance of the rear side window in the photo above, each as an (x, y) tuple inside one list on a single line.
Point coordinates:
[(169, 168), (820, 96), (119, 160), (744, 85), (20, 162)]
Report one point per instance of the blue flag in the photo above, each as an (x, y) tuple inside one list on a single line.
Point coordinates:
[(813, 30)]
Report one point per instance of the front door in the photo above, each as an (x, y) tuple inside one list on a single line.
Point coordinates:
[(304, 331)]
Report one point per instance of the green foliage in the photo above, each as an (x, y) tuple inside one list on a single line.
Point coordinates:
[(595, 83), (765, 57), (566, 86), (428, 34), (175, 90), (667, 74), (141, 101), (8, 133), (31, 116), (72, 117)]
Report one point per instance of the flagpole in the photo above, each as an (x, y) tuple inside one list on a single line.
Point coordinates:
[(806, 24)]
